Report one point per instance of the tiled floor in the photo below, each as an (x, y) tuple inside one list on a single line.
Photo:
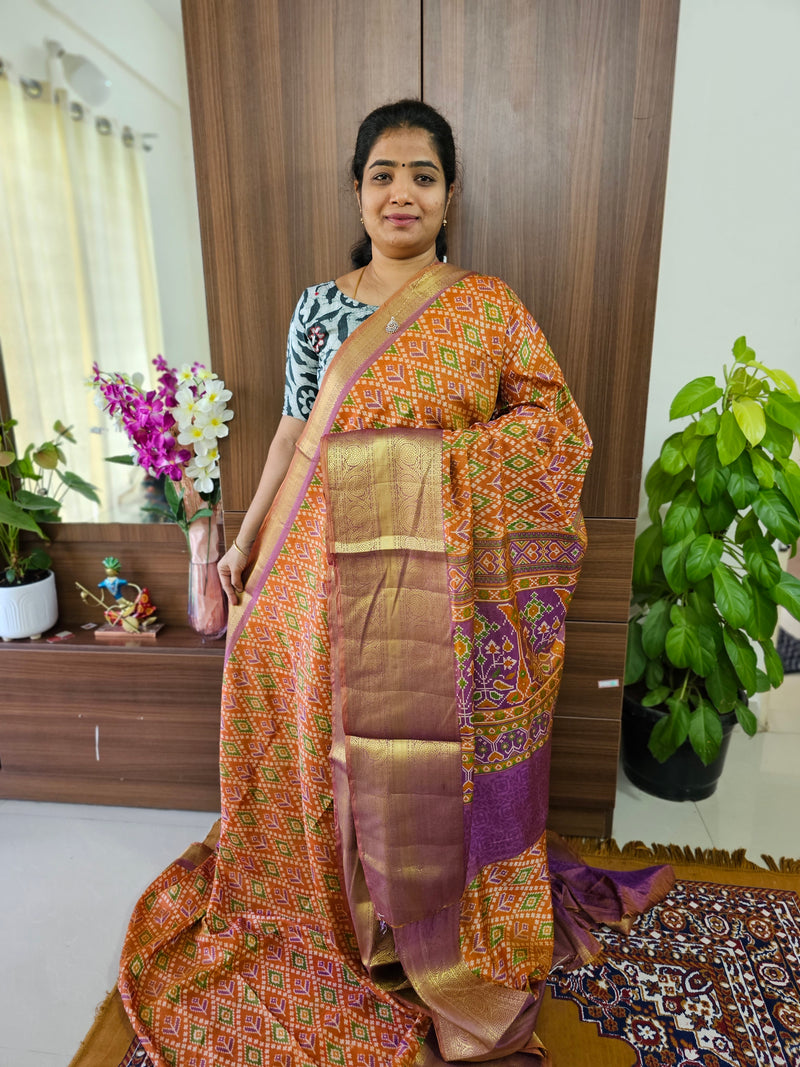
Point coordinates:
[(70, 875)]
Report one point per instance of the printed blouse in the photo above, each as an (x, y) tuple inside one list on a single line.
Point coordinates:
[(323, 319)]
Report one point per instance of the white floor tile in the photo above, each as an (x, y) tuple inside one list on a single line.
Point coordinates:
[(755, 806), (14, 1057), (69, 878), (641, 817)]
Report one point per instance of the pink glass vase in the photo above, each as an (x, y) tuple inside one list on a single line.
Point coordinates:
[(207, 603)]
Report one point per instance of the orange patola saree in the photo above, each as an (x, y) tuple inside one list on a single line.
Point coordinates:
[(381, 892)]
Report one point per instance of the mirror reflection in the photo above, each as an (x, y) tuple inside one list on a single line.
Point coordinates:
[(100, 257)]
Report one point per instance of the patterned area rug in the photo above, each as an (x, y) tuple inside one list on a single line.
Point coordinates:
[(788, 648), (707, 978)]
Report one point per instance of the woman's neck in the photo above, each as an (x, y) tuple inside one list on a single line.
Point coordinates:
[(384, 276)]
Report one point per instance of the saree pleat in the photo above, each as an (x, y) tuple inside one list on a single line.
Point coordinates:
[(381, 892)]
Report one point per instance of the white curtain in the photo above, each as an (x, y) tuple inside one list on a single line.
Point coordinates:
[(77, 280)]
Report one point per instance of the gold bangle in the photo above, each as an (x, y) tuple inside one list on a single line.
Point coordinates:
[(241, 551)]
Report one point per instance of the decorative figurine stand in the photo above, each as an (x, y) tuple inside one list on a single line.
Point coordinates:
[(126, 619)]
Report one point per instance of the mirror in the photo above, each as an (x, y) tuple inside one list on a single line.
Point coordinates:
[(138, 47)]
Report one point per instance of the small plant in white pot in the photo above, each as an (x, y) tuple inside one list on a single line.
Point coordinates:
[(707, 581), (33, 484)]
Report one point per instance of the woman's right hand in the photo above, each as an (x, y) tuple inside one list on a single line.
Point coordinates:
[(230, 568)]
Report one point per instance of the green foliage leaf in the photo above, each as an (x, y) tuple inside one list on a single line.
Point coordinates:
[(655, 697), (705, 732), (36, 502), (635, 659), (653, 673), (743, 486), (745, 717), (669, 733), (696, 395), (672, 458), (742, 351), (777, 514), (785, 382), (673, 562), (788, 481), (709, 475), (730, 439), (126, 461), (63, 431), (662, 487), (38, 560), (787, 593), (12, 515), (175, 504), (747, 526), (762, 561), (654, 629), (646, 555), (762, 468), (701, 601), (762, 681), (80, 486), (772, 663), (731, 597), (708, 423), (722, 685), (784, 411), (703, 556), (678, 645), (749, 414), (763, 611), (682, 516), (46, 456), (6, 458), (778, 440)]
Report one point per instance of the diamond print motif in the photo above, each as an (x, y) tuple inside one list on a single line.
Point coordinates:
[(277, 690)]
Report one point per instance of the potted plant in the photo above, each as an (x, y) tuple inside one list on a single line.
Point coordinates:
[(707, 580), (32, 489)]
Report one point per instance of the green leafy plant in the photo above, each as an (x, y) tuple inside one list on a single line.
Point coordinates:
[(707, 580), (32, 488)]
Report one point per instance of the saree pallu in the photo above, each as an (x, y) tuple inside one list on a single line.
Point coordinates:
[(381, 891)]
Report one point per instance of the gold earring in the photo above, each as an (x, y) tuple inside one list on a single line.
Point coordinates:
[(444, 222)]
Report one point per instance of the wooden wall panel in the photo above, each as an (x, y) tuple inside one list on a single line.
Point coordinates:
[(277, 90), (561, 109), (594, 665), (78, 724)]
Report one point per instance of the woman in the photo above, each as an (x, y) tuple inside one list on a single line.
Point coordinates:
[(381, 892)]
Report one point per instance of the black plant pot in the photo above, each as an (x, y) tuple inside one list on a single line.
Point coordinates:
[(683, 776)]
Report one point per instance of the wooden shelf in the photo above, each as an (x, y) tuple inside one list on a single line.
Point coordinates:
[(170, 640)]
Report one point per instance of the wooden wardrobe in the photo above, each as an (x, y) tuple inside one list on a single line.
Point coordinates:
[(561, 110)]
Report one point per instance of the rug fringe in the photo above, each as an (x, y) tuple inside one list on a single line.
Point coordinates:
[(657, 853)]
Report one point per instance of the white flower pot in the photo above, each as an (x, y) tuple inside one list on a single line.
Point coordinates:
[(28, 610)]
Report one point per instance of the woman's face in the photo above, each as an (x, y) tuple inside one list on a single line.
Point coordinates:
[(403, 195)]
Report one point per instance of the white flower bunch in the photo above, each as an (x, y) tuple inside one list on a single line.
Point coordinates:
[(202, 416)]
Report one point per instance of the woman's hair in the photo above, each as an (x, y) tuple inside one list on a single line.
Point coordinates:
[(405, 114)]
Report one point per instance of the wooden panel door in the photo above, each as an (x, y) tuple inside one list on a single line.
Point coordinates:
[(561, 109), (277, 90)]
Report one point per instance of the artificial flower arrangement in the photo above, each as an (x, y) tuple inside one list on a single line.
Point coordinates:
[(174, 431)]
